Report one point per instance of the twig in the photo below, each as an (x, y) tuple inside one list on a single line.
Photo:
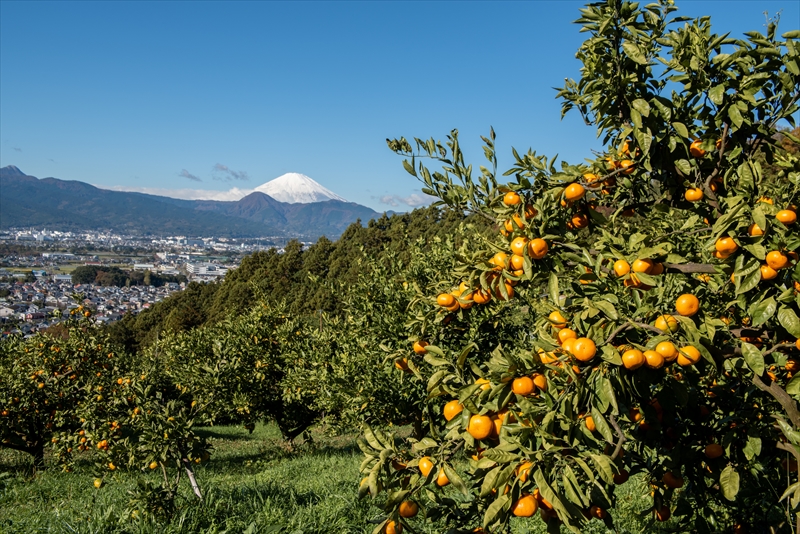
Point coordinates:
[(618, 430)]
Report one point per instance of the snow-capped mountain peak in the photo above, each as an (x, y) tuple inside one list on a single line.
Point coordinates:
[(296, 188)]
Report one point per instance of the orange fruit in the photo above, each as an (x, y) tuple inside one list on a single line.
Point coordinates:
[(693, 194), (547, 358), (509, 291), (596, 511), (565, 334), (584, 349), (787, 217), (485, 384), (688, 355), (525, 506), (713, 450), (523, 386), (481, 296), (653, 359), (445, 300), (590, 426), (573, 192), (687, 305), (500, 261), (517, 262), (557, 320), (755, 230), (419, 347), (768, 273), (452, 409), (579, 220), (544, 503), (480, 426), (425, 465), (672, 481), (523, 470), (514, 223), (568, 344), (663, 514), (667, 350), (627, 166), (777, 260), (392, 528), (441, 479), (537, 248), (658, 268), (518, 246), (667, 323), (726, 245), (695, 150), (633, 359), (401, 364), (511, 199), (153, 464), (590, 177), (621, 477), (541, 381), (766, 200), (408, 509), (621, 267), (642, 266)]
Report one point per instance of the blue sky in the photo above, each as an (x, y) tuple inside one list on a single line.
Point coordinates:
[(168, 96)]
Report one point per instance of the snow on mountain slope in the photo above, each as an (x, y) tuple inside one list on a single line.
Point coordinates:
[(295, 188)]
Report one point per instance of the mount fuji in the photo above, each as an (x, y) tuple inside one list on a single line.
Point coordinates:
[(296, 188)]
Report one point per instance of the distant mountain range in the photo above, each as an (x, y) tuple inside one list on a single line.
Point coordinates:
[(308, 210)]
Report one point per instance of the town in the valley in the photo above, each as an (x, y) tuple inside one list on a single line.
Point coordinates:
[(43, 273)]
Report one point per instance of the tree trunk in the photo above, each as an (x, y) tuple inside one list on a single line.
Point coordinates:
[(419, 431)]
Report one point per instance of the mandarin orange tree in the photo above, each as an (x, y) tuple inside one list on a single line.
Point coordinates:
[(668, 340), (61, 393)]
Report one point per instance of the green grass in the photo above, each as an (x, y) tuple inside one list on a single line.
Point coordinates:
[(252, 482)]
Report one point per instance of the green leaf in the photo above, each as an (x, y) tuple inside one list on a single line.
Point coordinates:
[(735, 116), (716, 94), (789, 321), (681, 129), (455, 480), (436, 362), (607, 308), (633, 52), (754, 358), (752, 448), (793, 387), (495, 509), (759, 218), (642, 107), (729, 481), (601, 425), (763, 311), (748, 277), (684, 166), (552, 289), (604, 468)]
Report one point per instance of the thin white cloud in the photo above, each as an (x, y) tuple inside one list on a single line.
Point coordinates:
[(224, 173), (186, 174), (232, 194), (413, 200)]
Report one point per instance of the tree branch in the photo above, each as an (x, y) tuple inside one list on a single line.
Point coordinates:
[(621, 436), (690, 268), (783, 398)]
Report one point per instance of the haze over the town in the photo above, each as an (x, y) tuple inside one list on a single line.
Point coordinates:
[(173, 97)]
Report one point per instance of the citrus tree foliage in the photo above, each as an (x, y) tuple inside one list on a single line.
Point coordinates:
[(667, 340), (59, 392)]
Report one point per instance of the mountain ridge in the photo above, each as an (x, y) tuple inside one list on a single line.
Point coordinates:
[(74, 205)]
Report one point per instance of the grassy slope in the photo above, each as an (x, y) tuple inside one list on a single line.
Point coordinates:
[(251, 480)]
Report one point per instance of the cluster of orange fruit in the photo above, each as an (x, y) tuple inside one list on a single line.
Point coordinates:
[(726, 246)]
